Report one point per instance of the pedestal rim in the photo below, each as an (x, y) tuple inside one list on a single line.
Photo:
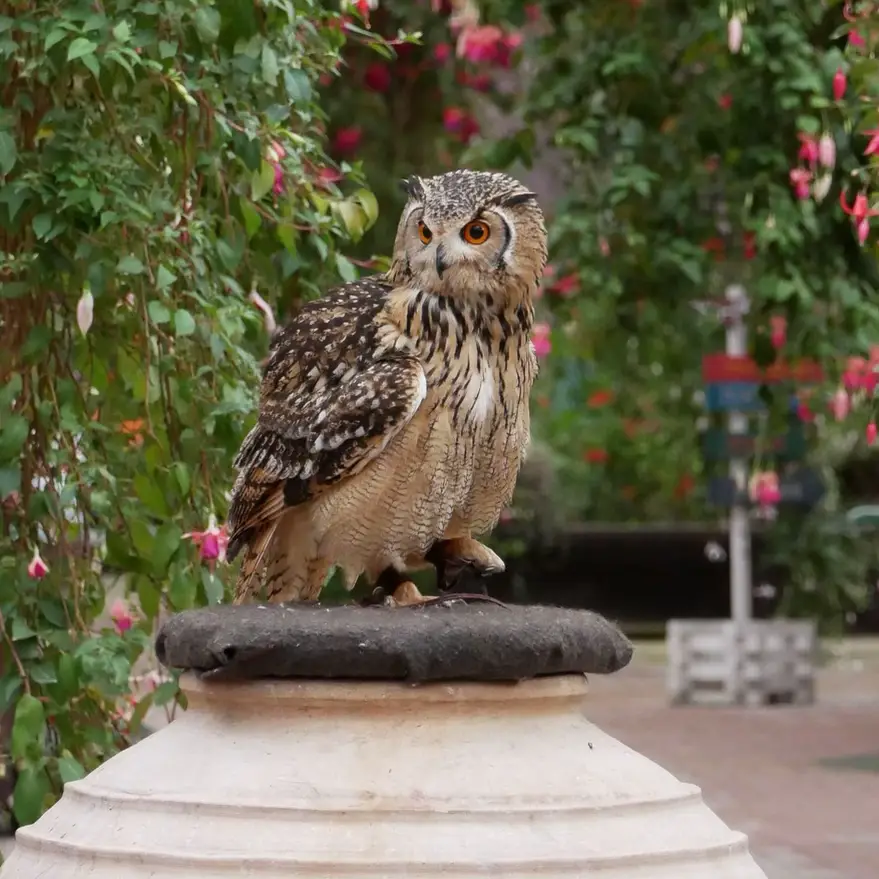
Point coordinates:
[(201, 690)]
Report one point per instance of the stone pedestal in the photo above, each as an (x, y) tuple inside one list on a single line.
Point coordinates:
[(717, 662), (467, 773)]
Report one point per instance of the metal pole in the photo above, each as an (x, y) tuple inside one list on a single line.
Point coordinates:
[(739, 523)]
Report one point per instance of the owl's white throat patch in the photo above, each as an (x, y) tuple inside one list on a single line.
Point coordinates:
[(479, 395)]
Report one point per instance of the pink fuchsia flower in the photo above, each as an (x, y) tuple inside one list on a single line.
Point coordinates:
[(540, 339), (566, 286), (873, 145), (860, 212), (827, 150), (840, 404), (859, 375), (764, 488), (840, 83), (855, 40), (804, 412), (442, 52), (460, 123), (211, 542), (808, 149), (871, 433), (778, 330), (800, 179), (377, 77), (347, 140), (725, 101), (37, 568), (121, 616), (749, 245), (734, 34)]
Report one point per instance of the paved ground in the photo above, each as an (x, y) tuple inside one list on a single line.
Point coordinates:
[(761, 769)]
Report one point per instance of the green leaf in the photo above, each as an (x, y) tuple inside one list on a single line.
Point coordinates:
[(29, 798), (369, 204), (8, 152), (42, 225), (158, 312), (353, 217), (10, 687), (43, 673), (269, 65), (148, 597), (181, 474), (79, 48), (68, 679), (91, 62), (10, 479), (21, 631), (262, 181), (252, 221), (122, 32), (167, 50), (13, 435), (168, 539), (212, 585), (346, 268), (130, 265), (28, 725), (207, 23), (140, 710), (165, 693), (150, 494), (184, 323), (298, 85), (164, 277), (70, 769), (55, 37), (182, 591)]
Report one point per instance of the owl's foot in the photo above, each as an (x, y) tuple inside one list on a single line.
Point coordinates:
[(393, 589), (453, 558)]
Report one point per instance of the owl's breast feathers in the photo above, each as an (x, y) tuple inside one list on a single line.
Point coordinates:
[(350, 372)]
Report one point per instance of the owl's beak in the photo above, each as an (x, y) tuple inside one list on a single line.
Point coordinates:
[(441, 264)]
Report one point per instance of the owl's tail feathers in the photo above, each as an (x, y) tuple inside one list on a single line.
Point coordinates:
[(251, 565)]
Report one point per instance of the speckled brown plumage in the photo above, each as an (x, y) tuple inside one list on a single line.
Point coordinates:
[(394, 411)]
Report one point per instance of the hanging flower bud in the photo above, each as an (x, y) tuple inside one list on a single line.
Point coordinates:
[(840, 82), (37, 569), (734, 34), (85, 311), (840, 404), (827, 150), (764, 489), (821, 186), (778, 331), (871, 433)]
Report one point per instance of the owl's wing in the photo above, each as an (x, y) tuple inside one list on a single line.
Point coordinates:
[(329, 406)]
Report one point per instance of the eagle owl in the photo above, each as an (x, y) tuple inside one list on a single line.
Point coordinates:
[(393, 414)]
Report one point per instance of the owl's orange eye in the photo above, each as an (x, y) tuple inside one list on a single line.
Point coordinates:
[(424, 233), (475, 232)]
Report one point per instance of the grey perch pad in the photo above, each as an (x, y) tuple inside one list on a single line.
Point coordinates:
[(443, 642)]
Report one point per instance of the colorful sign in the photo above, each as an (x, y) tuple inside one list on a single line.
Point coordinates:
[(719, 445), (724, 368), (734, 397), (802, 487)]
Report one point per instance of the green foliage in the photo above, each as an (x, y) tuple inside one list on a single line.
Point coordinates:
[(676, 155), (160, 161)]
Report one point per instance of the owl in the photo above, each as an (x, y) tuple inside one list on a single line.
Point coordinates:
[(394, 411)]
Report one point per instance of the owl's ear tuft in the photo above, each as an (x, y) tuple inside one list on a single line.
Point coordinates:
[(413, 187), (519, 198)]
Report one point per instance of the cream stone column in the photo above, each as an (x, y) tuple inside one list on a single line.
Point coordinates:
[(421, 754)]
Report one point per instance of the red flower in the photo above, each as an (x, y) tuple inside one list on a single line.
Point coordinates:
[(121, 616), (595, 456), (716, 246), (347, 140), (442, 52), (839, 84), (600, 398), (460, 123), (808, 149), (566, 286), (750, 245), (211, 542), (873, 145), (725, 101), (37, 568), (377, 77), (855, 40), (684, 487), (871, 433), (778, 331)]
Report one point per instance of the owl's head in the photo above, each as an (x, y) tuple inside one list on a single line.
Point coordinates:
[(470, 233)]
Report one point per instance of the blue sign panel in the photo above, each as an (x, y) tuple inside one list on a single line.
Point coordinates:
[(734, 397)]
